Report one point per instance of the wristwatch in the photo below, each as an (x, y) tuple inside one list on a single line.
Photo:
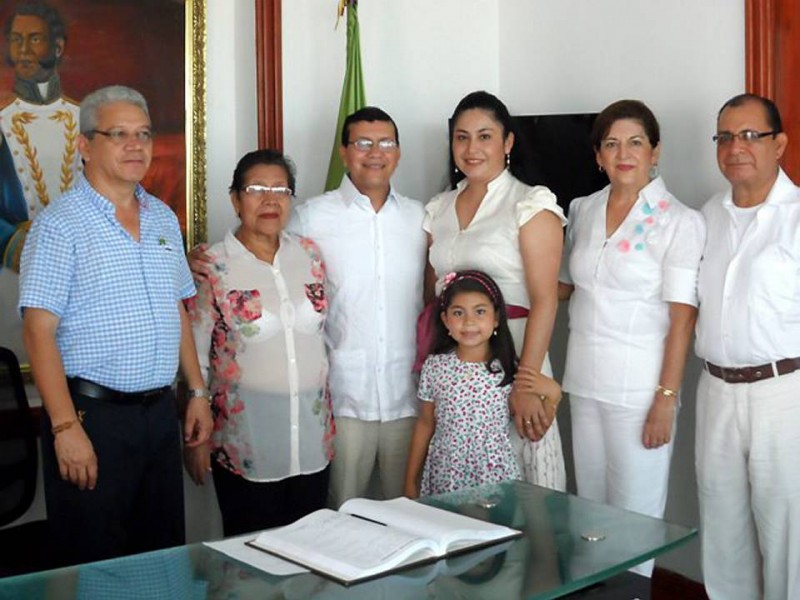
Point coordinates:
[(198, 393)]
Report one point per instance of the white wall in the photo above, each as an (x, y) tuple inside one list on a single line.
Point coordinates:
[(419, 58), (683, 58), (231, 103)]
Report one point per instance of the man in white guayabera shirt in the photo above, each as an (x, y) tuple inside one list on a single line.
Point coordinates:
[(374, 250), (748, 333)]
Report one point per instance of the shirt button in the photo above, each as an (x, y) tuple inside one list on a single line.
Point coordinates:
[(292, 360)]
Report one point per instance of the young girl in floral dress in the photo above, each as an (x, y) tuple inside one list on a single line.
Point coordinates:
[(461, 435)]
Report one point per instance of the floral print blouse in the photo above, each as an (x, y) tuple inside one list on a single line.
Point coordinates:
[(258, 328)]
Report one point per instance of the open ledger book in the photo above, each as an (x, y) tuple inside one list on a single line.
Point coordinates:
[(368, 538)]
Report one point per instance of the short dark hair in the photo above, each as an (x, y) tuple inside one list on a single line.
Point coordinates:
[(770, 108), (369, 114), (56, 27), (635, 110), (501, 345), (262, 157), (519, 165)]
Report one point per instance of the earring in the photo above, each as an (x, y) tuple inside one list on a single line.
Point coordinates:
[(495, 332), (654, 171), (600, 168), (508, 160)]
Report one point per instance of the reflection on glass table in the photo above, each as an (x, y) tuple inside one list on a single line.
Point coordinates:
[(569, 543)]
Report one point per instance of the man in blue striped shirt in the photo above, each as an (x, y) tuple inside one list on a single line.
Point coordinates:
[(103, 277)]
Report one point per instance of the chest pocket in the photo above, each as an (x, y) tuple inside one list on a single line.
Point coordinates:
[(773, 280), (249, 317)]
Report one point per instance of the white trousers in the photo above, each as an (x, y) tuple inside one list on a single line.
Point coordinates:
[(363, 446), (748, 480), (612, 465)]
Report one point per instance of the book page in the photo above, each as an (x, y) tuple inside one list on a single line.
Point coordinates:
[(343, 545), (448, 529)]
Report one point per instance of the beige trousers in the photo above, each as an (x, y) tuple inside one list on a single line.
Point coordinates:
[(362, 447)]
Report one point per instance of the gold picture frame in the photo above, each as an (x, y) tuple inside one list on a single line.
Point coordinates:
[(138, 43), (196, 226)]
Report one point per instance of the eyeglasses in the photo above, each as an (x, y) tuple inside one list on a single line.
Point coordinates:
[(748, 136), (255, 189), (120, 137), (365, 144)]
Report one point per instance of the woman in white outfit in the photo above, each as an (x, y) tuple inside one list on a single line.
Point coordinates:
[(631, 257), (497, 224)]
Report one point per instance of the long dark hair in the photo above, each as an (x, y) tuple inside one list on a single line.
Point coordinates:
[(519, 163), (501, 345)]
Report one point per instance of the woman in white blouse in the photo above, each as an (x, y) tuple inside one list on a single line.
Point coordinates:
[(630, 265), (494, 222), (257, 321)]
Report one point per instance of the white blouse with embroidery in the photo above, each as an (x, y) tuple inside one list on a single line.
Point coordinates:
[(619, 310), (258, 328)]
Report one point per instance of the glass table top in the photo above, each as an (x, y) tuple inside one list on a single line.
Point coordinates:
[(569, 543)]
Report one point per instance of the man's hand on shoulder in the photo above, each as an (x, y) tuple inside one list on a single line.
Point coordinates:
[(200, 262)]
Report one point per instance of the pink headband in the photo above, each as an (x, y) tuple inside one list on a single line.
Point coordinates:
[(452, 277)]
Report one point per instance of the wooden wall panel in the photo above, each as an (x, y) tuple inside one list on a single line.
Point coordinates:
[(772, 40), (269, 74)]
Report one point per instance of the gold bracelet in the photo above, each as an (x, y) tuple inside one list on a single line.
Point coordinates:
[(666, 392), (556, 401), (63, 426)]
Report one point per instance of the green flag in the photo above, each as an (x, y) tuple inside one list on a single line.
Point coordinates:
[(353, 95)]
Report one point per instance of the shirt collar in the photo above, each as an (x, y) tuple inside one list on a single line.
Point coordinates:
[(504, 178), (30, 92), (350, 193), (783, 191), (105, 205), (654, 192), (233, 247)]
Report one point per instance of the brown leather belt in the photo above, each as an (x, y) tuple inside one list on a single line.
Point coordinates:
[(753, 374)]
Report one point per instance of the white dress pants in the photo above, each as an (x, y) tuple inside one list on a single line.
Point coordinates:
[(612, 465), (748, 480)]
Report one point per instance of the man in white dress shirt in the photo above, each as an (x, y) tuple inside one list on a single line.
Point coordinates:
[(748, 333), (374, 250)]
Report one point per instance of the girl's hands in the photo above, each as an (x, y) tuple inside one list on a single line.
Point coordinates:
[(411, 490)]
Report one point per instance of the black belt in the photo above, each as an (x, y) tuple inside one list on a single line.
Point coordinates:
[(84, 387), (753, 374)]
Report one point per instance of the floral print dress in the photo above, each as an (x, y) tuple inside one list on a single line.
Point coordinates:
[(470, 445)]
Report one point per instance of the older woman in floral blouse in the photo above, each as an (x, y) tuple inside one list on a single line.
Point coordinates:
[(258, 321)]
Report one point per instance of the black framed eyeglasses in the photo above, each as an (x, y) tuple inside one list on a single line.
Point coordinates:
[(748, 136)]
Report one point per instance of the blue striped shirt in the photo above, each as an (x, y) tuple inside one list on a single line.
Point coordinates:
[(116, 298)]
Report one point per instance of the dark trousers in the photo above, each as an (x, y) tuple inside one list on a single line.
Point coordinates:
[(250, 506), (137, 504)]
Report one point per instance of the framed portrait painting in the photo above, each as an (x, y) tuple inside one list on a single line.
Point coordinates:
[(57, 51)]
